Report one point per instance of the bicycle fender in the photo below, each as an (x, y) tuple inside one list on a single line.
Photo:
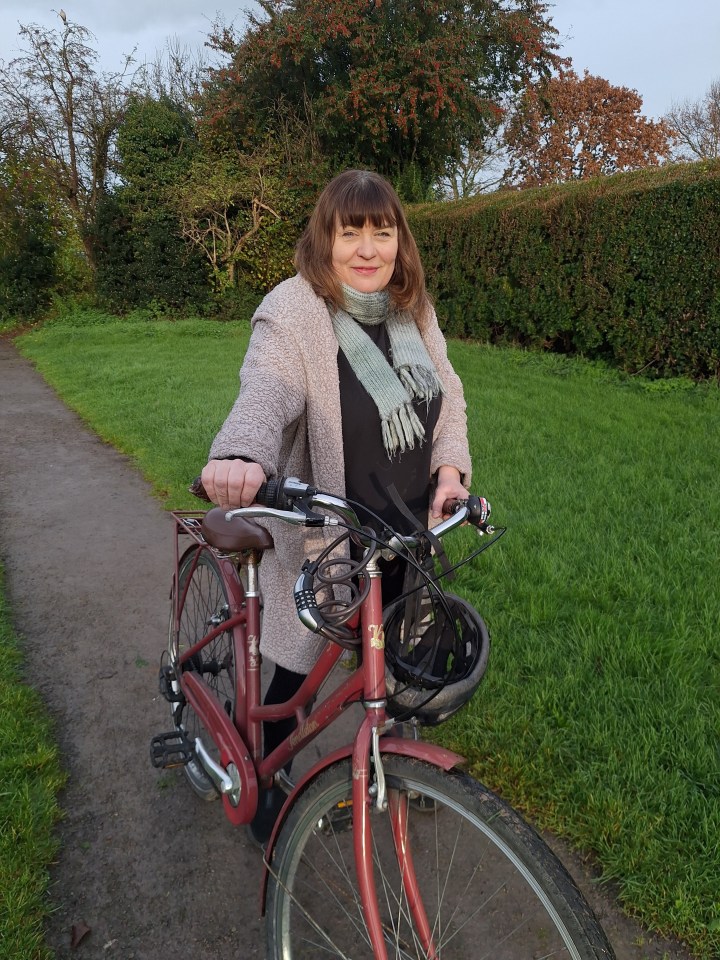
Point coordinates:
[(232, 748), (437, 756)]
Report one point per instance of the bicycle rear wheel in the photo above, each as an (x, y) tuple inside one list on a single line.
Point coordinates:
[(490, 886), (206, 606)]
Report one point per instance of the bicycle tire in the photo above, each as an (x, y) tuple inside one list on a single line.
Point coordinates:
[(490, 885), (206, 603)]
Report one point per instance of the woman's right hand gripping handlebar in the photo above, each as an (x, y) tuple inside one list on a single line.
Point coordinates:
[(232, 483)]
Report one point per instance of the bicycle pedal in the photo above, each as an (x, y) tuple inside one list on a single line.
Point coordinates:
[(171, 749), (166, 678)]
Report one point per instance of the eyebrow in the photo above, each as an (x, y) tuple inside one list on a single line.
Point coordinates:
[(387, 225)]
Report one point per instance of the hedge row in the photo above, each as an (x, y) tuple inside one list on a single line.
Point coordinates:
[(27, 262), (623, 268)]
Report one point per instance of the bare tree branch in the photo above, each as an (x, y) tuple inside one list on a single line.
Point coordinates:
[(57, 106), (697, 126), (223, 203), (177, 73)]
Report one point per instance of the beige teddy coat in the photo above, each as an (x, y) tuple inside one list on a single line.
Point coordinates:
[(287, 419)]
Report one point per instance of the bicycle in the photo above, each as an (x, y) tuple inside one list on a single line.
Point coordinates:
[(384, 848)]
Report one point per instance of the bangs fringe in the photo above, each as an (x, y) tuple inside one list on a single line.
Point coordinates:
[(365, 201)]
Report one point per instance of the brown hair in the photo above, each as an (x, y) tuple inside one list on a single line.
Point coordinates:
[(352, 199)]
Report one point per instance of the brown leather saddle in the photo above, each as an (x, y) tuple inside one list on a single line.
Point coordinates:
[(234, 535)]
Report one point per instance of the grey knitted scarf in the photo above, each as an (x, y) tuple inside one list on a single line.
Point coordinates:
[(411, 377)]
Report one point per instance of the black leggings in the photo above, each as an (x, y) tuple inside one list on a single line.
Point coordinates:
[(284, 685)]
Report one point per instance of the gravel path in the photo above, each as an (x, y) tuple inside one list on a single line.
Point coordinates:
[(152, 871)]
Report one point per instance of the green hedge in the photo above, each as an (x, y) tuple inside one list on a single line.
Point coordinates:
[(623, 268), (28, 270)]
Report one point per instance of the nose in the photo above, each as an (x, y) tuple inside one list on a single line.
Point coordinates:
[(366, 247)]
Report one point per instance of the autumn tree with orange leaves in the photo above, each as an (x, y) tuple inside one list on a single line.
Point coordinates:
[(397, 85), (573, 128)]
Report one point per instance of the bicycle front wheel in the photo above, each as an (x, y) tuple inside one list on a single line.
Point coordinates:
[(490, 887)]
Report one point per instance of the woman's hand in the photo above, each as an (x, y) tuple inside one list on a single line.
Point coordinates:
[(232, 483), (448, 488)]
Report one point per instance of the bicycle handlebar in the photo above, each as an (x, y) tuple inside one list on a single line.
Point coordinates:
[(300, 498), (291, 500)]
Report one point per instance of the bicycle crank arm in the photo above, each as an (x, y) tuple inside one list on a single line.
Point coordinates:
[(227, 782)]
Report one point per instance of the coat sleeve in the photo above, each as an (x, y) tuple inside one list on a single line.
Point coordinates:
[(450, 439), (271, 397)]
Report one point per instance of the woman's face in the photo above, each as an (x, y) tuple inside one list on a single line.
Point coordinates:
[(364, 257)]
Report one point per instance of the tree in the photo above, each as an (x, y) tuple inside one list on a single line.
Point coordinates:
[(573, 128), (177, 74), (56, 106), (393, 84), (479, 170), (244, 209), (140, 253), (28, 247), (697, 126), (223, 203)]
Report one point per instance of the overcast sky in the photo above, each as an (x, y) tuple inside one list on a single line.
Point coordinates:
[(667, 50)]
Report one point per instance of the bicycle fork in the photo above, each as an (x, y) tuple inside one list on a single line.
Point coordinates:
[(392, 803)]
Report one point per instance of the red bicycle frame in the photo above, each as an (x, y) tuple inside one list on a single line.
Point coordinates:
[(239, 738)]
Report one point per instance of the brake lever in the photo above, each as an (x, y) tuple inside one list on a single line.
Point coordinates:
[(312, 519)]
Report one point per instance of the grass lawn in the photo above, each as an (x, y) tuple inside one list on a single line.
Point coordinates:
[(30, 778), (600, 713)]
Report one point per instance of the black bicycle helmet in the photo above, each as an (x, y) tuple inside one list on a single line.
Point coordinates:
[(436, 652)]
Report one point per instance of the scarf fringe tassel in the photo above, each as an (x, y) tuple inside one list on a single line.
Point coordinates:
[(401, 429), (420, 382)]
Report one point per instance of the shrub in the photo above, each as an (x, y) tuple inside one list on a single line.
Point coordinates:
[(622, 268)]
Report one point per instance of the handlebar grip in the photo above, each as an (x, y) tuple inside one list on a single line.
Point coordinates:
[(272, 494), (269, 494), (197, 489), (278, 493), (478, 507)]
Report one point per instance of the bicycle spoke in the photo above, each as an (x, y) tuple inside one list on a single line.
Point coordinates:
[(461, 897), (340, 896), (309, 919)]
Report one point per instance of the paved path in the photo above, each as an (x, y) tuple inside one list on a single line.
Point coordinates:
[(88, 560), (152, 870)]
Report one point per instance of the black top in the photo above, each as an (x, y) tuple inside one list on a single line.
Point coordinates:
[(368, 469)]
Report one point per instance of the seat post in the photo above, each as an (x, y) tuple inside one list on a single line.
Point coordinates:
[(253, 659)]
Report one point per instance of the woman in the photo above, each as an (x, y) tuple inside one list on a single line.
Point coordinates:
[(345, 384)]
